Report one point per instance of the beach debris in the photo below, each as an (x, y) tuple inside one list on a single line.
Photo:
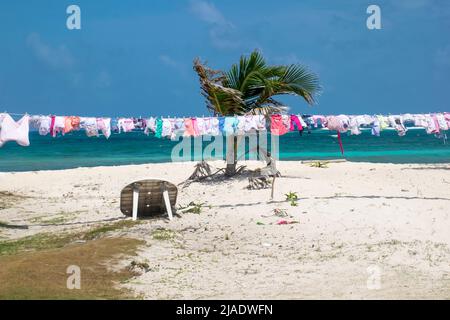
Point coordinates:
[(139, 267), (193, 207), (202, 171), (319, 164), (280, 212), (259, 223), (258, 182), (266, 244), (263, 178), (282, 221), (292, 197)]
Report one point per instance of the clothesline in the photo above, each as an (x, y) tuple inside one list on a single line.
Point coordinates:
[(173, 128)]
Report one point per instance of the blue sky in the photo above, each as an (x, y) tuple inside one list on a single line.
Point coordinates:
[(134, 58)]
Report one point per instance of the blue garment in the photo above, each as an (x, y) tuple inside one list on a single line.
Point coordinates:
[(221, 124), (115, 125)]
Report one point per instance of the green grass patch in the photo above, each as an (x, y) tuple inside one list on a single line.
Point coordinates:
[(44, 241), (34, 267), (98, 232), (4, 224), (163, 234), (9, 199), (43, 274)]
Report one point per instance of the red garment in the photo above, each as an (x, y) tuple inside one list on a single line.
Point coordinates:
[(52, 127), (340, 142), (277, 126)]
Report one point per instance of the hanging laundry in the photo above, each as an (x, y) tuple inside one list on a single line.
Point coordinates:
[(188, 128), (57, 125), (339, 124), (71, 123), (221, 125), (384, 123), (126, 124), (396, 123), (177, 128), (201, 126), (240, 126), (230, 125), (407, 118), (214, 126), (159, 128), (335, 123), (376, 128), (104, 125), (11, 130), (150, 125), (90, 126), (319, 121), (431, 125), (447, 118), (295, 122), (41, 123), (442, 123), (251, 124), (354, 126), (166, 129), (139, 123), (115, 125), (278, 125), (420, 120)]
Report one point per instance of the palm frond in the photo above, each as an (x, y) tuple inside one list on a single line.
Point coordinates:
[(250, 85), (220, 100)]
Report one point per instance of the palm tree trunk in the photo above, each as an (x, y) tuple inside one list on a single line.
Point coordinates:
[(231, 156)]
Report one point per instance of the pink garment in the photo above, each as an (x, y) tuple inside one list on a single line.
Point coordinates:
[(126, 124), (191, 127), (188, 128), (436, 123), (277, 126), (195, 126), (296, 121), (15, 131), (104, 125), (335, 124), (322, 119), (447, 118), (52, 127)]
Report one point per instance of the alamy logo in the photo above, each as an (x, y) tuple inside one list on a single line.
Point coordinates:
[(374, 20), (74, 280), (374, 279), (74, 20)]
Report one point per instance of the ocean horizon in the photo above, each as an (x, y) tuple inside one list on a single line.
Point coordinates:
[(77, 150)]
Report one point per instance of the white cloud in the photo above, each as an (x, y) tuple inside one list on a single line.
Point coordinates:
[(208, 12), (168, 60), (56, 57), (222, 32)]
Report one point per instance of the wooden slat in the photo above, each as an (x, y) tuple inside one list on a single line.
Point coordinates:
[(148, 204)]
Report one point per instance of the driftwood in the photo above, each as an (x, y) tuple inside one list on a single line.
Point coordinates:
[(202, 171), (260, 178), (264, 177)]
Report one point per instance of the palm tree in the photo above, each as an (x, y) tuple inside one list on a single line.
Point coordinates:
[(250, 87)]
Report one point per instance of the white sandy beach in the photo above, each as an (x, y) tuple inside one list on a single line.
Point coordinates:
[(356, 221)]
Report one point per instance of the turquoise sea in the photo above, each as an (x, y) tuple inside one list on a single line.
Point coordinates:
[(76, 150)]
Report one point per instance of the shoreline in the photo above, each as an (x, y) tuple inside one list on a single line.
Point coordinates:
[(222, 163)]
